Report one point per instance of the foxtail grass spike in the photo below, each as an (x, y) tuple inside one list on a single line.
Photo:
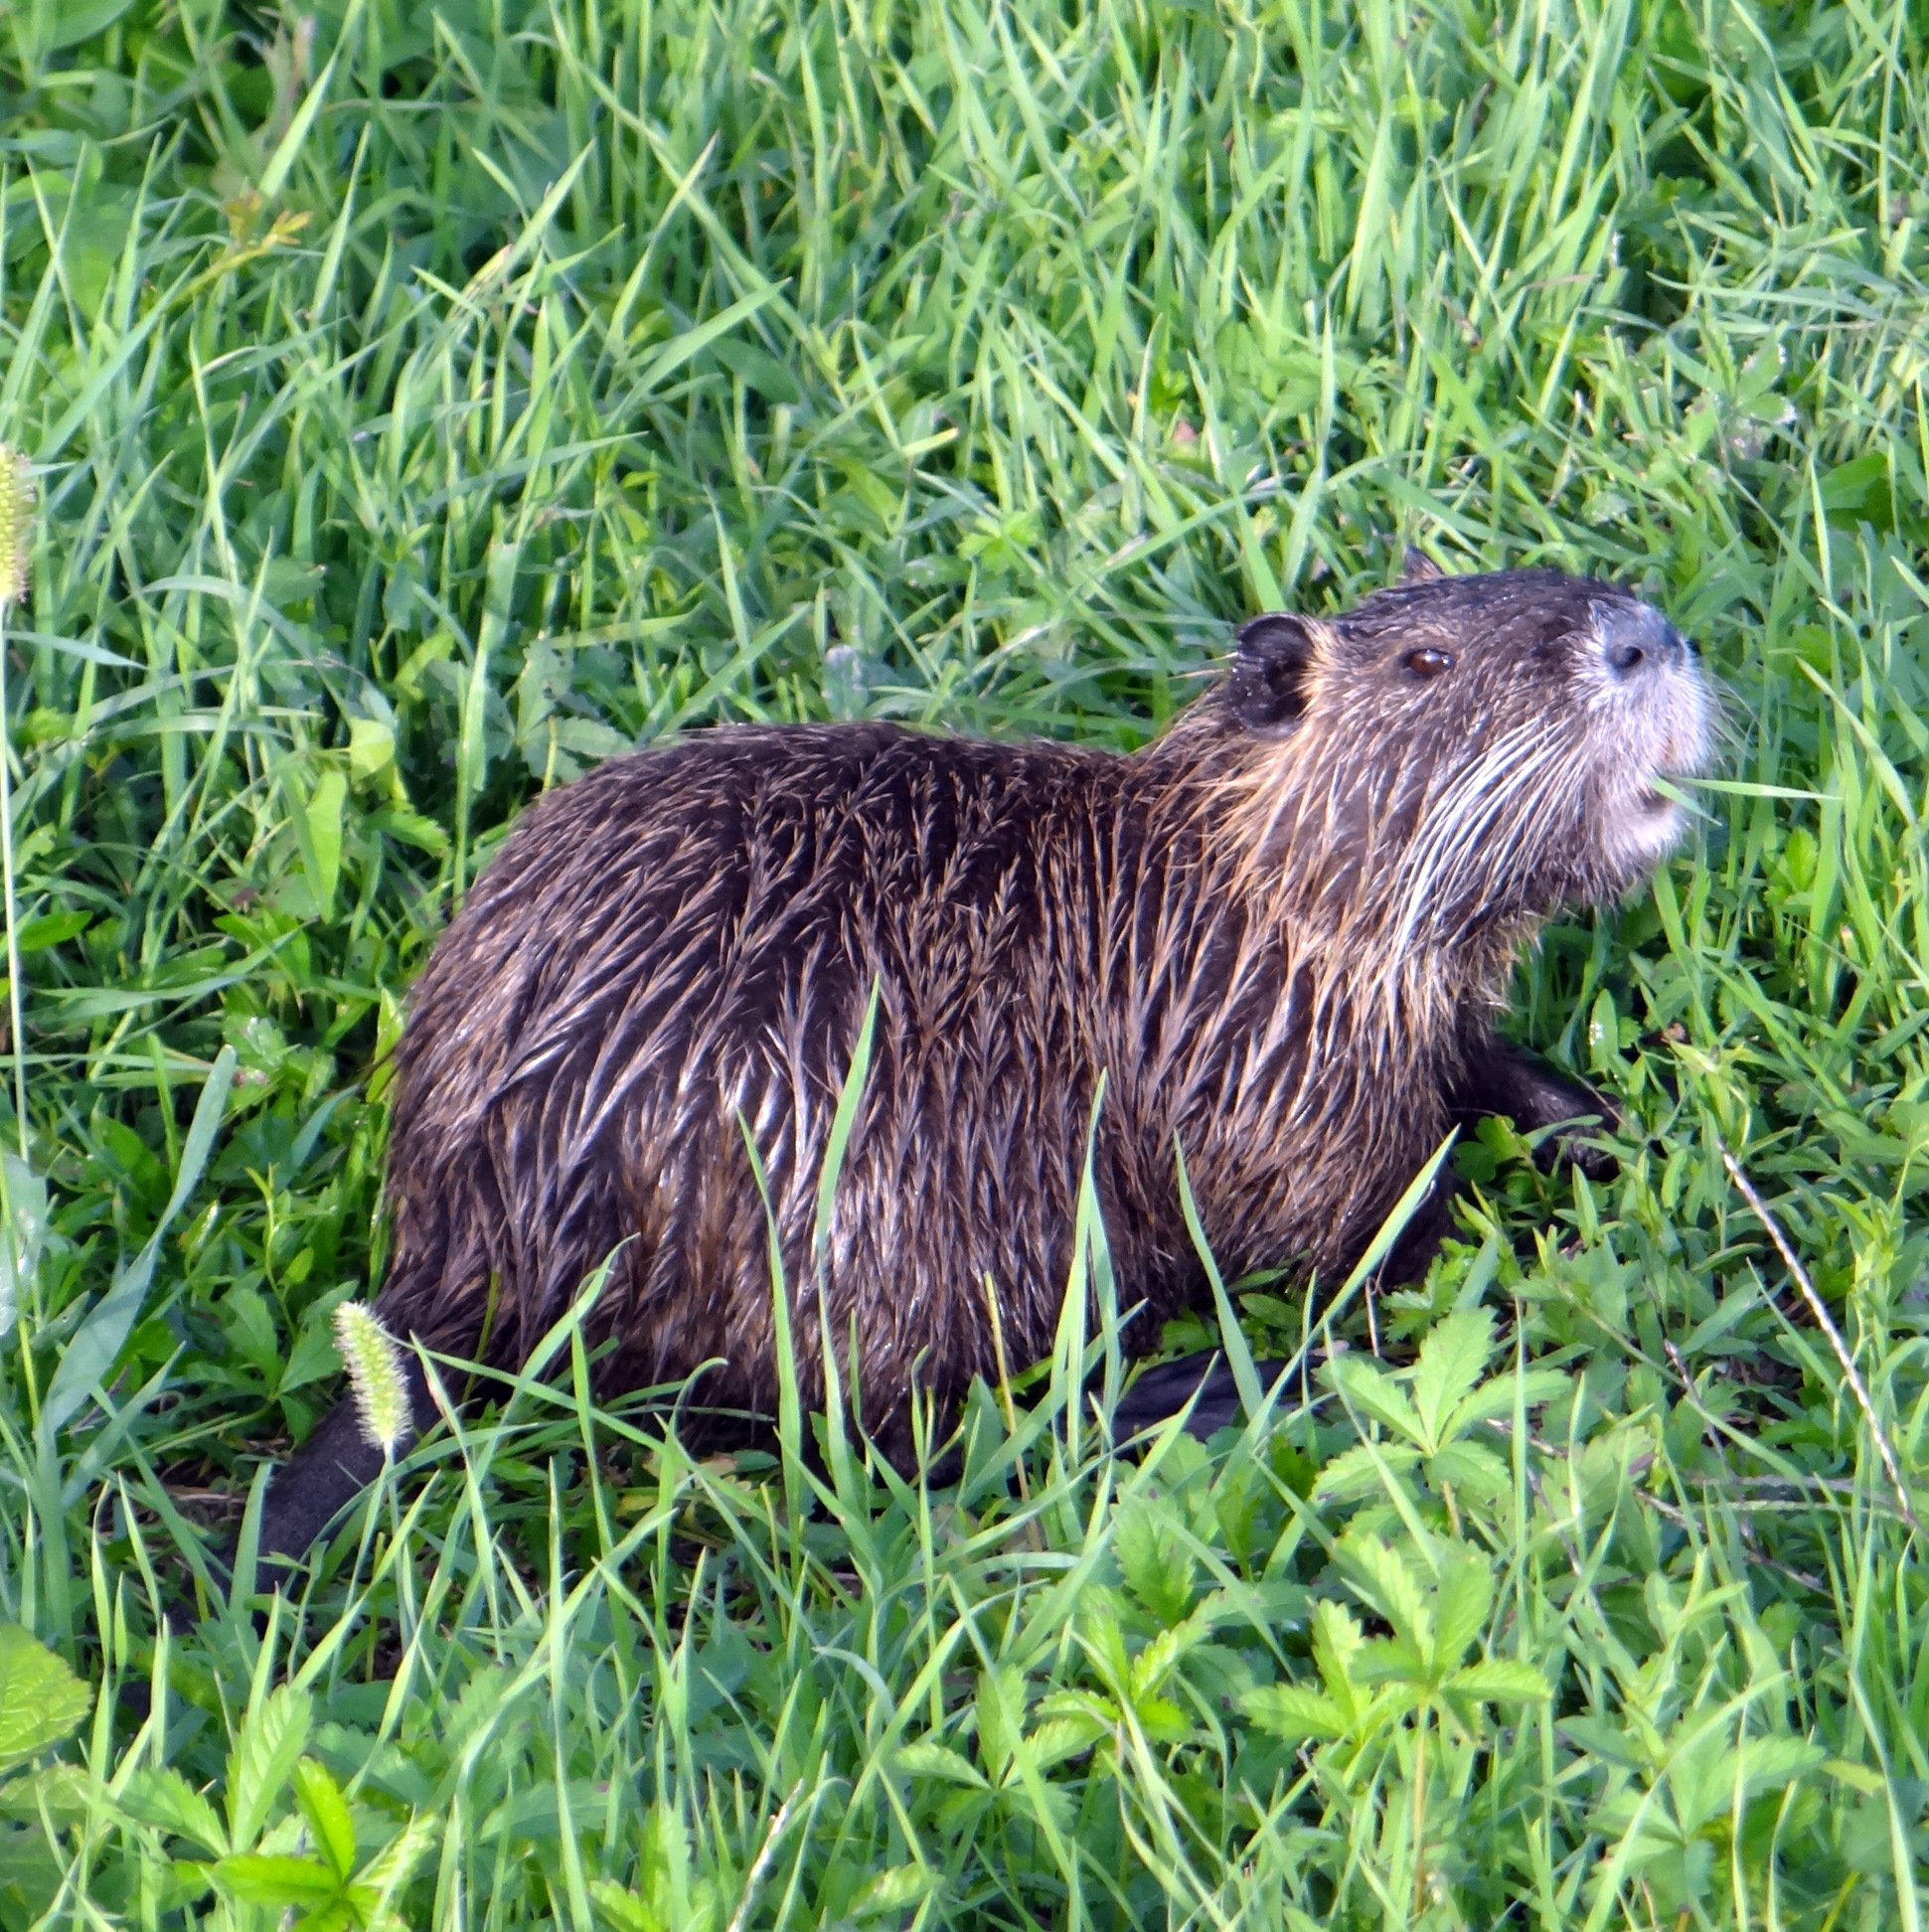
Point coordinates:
[(375, 1373), (16, 524)]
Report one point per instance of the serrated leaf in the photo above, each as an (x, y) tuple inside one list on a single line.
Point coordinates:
[(1059, 1738), (1153, 1665), (166, 1800), (326, 1811), (1338, 1641), (1452, 1360), (1382, 1578), (1162, 1719), (1367, 1388), (1292, 1711), (1501, 1680), (1460, 1609), (1391, 1660), (894, 1890), (1598, 1738), (1159, 1571), (926, 1758), (394, 1865), (628, 1911), (274, 1737), (275, 1883), (41, 1699), (1362, 1470), (1768, 1763), (1858, 1777), (62, 1793), (1470, 1467), (1498, 1399), (1001, 1717)]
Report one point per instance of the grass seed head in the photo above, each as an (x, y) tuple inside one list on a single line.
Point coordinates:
[(16, 522), (375, 1373)]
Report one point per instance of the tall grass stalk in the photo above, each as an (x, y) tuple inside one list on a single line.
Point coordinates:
[(16, 560)]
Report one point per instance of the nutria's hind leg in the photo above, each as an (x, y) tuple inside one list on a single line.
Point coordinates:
[(1502, 1079)]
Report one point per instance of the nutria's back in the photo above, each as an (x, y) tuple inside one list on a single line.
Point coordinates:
[(680, 948), (1277, 934)]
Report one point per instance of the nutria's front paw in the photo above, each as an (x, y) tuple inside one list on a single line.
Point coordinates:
[(1576, 1143), (1535, 1096)]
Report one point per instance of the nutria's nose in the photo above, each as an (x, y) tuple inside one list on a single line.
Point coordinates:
[(1633, 635)]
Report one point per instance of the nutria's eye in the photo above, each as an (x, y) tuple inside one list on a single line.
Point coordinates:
[(1426, 663)]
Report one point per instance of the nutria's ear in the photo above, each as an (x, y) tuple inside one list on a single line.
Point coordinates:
[(1268, 682), (1418, 568)]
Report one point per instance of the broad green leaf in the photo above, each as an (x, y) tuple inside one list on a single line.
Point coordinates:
[(760, 370), (42, 1702), (323, 814), (51, 25), (23, 1231), (371, 747), (51, 928), (100, 1337)]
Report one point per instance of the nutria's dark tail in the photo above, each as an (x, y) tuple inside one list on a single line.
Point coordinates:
[(1158, 1393), (329, 1471)]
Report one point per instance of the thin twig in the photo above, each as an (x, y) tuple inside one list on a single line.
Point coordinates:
[(1818, 1309)]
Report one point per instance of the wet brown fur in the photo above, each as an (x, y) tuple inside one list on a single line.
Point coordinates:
[(1279, 934)]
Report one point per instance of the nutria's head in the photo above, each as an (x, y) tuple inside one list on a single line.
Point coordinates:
[(1458, 756)]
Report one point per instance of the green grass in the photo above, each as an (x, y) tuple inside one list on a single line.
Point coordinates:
[(431, 402)]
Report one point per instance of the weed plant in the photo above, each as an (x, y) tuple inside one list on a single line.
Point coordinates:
[(428, 401)]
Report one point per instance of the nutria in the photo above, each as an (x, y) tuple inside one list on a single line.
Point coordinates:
[(1279, 934)]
